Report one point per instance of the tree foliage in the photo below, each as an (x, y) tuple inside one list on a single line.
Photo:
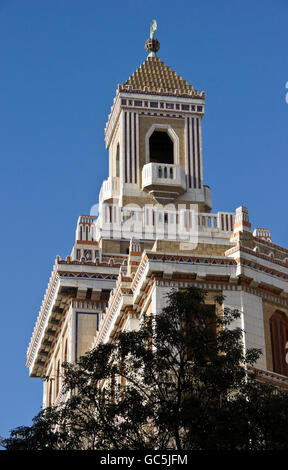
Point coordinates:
[(178, 382)]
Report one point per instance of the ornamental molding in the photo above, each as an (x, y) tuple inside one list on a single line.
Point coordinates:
[(43, 315), (222, 286), (256, 254)]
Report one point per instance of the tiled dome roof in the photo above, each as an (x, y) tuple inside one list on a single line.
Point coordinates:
[(156, 76)]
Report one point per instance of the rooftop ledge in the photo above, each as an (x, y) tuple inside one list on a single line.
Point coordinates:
[(62, 287)]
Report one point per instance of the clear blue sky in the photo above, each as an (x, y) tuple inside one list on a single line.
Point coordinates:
[(61, 61)]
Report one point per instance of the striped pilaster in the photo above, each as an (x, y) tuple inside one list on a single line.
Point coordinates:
[(194, 153), (130, 137)]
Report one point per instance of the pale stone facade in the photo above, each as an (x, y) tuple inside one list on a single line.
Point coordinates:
[(155, 231)]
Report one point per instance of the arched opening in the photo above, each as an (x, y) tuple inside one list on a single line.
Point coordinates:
[(49, 401), (161, 148), (118, 161), (279, 340), (65, 357), (57, 378)]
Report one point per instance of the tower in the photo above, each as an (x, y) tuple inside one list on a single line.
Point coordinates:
[(156, 231), (153, 136)]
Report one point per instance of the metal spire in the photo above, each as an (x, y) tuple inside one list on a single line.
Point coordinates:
[(152, 45)]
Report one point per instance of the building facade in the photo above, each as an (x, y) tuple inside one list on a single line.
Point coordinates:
[(156, 231)]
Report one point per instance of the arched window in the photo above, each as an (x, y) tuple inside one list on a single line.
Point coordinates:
[(57, 378), (279, 341), (161, 148), (65, 357), (49, 401), (205, 324), (118, 160)]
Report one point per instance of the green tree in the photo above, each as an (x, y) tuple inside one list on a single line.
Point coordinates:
[(178, 382), (41, 435)]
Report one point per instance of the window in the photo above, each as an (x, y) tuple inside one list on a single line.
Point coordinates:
[(204, 323), (65, 356), (89, 293), (57, 378), (279, 342), (118, 160), (49, 402), (87, 255), (104, 296), (161, 148)]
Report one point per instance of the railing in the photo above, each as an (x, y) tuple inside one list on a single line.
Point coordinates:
[(152, 222), (163, 174), (222, 221), (109, 189)]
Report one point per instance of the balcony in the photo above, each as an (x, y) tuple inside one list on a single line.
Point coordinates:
[(109, 189), (163, 181)]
